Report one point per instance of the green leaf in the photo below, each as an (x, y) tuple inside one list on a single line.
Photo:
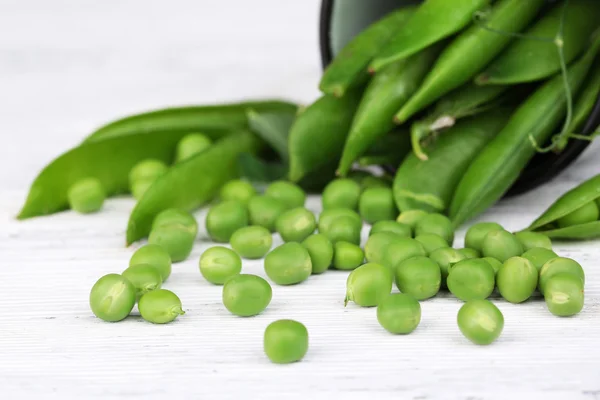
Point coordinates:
[(273, 128)]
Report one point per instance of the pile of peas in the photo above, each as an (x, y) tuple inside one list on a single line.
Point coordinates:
[(412, 251)]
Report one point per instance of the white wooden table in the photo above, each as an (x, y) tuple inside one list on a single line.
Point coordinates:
[(67, 67)]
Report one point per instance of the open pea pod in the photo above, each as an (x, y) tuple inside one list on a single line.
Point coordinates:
[(192, 183), (574, 199), (214, 121)]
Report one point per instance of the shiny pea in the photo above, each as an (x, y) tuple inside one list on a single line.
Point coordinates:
[(346, 229), (584, 214), (438, 224), (190, 145), (419, 277), (399, 313), (252, 242), (264, 211), (160, 306), (376, 243), (501, 245), (558, 265), (531, 240), (393, 227), (155, 255), (496, 265), (411, 217), (296, 224), (480, 321), (347, 256), (471, 279), (288, 264), (175, 239), (112, 298), (86, 195), (224, 219), (368, 284), (320, 249), (399, 250), (246, 295), (290, 194), (341, 193), (470, 253), (144, 278), (539, 256), (517, 279), (172, 216), (238, 190), (143, 174), (328, 216), (217, 264), (377, 204), (431, 242), (477, 232), (445, 257), (285, 341), (564, 294)]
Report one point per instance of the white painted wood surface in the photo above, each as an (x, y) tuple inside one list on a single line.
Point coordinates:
[(67, 67)]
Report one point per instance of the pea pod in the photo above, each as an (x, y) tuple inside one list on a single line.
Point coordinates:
[(190, 184), (433, 21), (471, 51), (531, 60), (214, 121), (498, 166), (387, 91), (349, 68), (574, 199), (429, 185), (317, 136)]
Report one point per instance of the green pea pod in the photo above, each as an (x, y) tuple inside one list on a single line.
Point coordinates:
[(465, 101), (531, 60), (108, 160), (349, 68), (498, 166), (387, 91), (214, 121), (318, 134), (432, 22), (387, 150), (429, 185), (192, 183), (471, 51), (573, 200)]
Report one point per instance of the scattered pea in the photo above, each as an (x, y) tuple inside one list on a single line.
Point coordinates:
[(320, 249), (160, 306), (285, 341), (290, 194), (471, 279), (368, 284), (496, 265), (539, 256), (501, 245), (438, 224), (480, 321), (190, 145), (86, 196), (470, 253), (564, 294), (246, 295), (175, 239), (237, 190), (557, 265), (252, 242), (155, 255), (346, 229), (327, 217), (411, 217), (376, 243), (445, 257), (377, 204), (218, 263), (517, 279), (145, 278), (224, 219), (174, 216), (587, 213), (288, 264), (112, 298), (399, 313), (476, 233), (391, 226), (419, 277), (341, 193), (531, 240), (296, 224), (264, 211), (401, 249), (347, 256), (143, 175), (431, 242)]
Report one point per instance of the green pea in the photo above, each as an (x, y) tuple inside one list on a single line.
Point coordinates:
[(438, 224), (531, 240), (139, 188), (539, 256), (320, 249), (419, 277), (501, 245), (296, 224), (471, 279), (246, 295), (224, 219), (376, 243), (445, 257), (347, 256), (145, 278), (252, 242), (341, 193), (112, 298), (288, 264), (327, 217), (368, 284), (175, 239), (517, 279), (411, 217), (564, 294), (476, 233), (172, 216), (370, 181), (160, 306), (290, 194), (377, 204), (86, 196), (143, 175), (431, 242), (346, 229), (264, 211), (237, 190), (285, 341), (583, 215), (399, 313), (399, 250), (470, 253), (154, 255), (393, 227), (218, 264), (480, 321), (557, 265), (496, 265), (190, 145)]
